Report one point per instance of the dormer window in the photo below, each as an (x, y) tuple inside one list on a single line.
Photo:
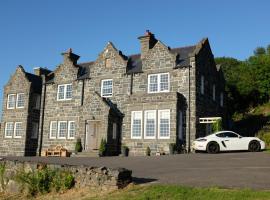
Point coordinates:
[(64, 92), (158, 83), (107, 88)]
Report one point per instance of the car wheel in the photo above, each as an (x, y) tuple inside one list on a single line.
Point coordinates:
[(254, 146), (212, 147)]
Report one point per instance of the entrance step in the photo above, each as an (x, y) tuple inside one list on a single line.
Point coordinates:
[(92, 153)]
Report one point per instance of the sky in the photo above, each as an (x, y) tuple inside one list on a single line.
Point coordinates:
[(34, 33)]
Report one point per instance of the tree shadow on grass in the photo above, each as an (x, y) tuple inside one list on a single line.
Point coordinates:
[(250, 125)]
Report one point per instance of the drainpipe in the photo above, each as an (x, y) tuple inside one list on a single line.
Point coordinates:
[(42, 114)]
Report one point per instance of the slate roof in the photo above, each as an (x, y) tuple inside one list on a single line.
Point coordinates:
[(135, 63), (35, 80)]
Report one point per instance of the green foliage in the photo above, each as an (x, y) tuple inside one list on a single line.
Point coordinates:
[(102, 147), (148, 151), (78, 146), (2, 173), (265, 136), (45, 180), (217, 126), (247, 82)]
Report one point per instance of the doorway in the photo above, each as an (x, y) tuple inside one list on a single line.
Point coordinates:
[(92, 129)]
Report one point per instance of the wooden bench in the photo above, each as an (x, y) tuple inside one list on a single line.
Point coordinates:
[(56, 151)]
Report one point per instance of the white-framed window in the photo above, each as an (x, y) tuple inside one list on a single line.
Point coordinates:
[(221, 99), (214, 92), (62, 130), (11, 101), (36, 99), (114, 131), (136, 124), (202, 84), (18, 130), (9, 129), (150, 124), (71, 130), (53, 129), (164, 124), (64, 92), (158, 83), (20, 100), (34, 132), (107, 88)]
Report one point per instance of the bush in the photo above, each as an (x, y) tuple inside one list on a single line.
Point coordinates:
[(2, 172), (78, 146), (124, 150), (265, 136), (45, 180), (217, 126), (148, 151), (172, 148), (102, 147)]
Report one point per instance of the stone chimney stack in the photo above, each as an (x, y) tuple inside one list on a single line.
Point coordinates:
[(69, 56), (148, 41), (41, 71)]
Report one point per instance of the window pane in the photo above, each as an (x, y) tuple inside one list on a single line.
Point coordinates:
[(137, 124), (150, 124), (9, 129), (71, 131), (164, 82), (62, 132), (18, 129), (69, 92), (107, 86), (153, 83), (164, 124), (34, 130), (20, 100), (114, 131), (61, 92), (53, 130), (11, 101)]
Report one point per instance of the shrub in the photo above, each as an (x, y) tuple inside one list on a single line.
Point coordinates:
[(124, 150), (2, 172), (45, 180), (217, 126), (148, 151), (172, 148), (265, 136), (102, 147), (78, 146)]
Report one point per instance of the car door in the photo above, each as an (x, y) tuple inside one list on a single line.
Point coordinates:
[(232, 141)]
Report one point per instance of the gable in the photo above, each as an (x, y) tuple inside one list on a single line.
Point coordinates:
[(18, 80)]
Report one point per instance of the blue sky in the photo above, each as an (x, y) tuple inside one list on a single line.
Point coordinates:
[(34, 33)]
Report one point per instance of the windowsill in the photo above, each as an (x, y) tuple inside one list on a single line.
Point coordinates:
[(17, 137), (158, 92), (11, 108), (64, 100), (106, 96), (71, 138), (8, 137), (19, 107), (136, 138)]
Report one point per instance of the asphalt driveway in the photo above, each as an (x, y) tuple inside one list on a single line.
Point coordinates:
[(229, 170)]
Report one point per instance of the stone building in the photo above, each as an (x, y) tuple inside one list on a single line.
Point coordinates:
[(145, 100)]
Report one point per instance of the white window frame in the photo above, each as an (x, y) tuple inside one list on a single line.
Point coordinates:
[(155, 127), (202, 84), (17, 100), (35, 129), (158, 83), (9, 136), (114, 131), (102, 82), (214, 92), (53, 137), (132, 118), (15, 136), (58, 131), (65, 92), (69, 124), (8, 99), (159, 117)]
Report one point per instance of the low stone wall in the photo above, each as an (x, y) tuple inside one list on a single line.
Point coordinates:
[(85, 176)]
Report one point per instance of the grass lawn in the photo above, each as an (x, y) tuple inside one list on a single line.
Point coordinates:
[(151, 192)]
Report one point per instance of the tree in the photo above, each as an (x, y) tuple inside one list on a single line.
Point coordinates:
[(259, 51)]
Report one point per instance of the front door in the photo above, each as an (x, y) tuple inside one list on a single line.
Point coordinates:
[(92, 129)]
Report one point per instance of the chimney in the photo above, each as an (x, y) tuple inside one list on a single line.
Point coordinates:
[(148, 41), (69, 56), (41, 71)]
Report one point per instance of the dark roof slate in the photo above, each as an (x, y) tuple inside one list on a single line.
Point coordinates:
[(35, 80)]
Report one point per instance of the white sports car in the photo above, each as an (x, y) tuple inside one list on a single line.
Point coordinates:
[(227, 141)]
